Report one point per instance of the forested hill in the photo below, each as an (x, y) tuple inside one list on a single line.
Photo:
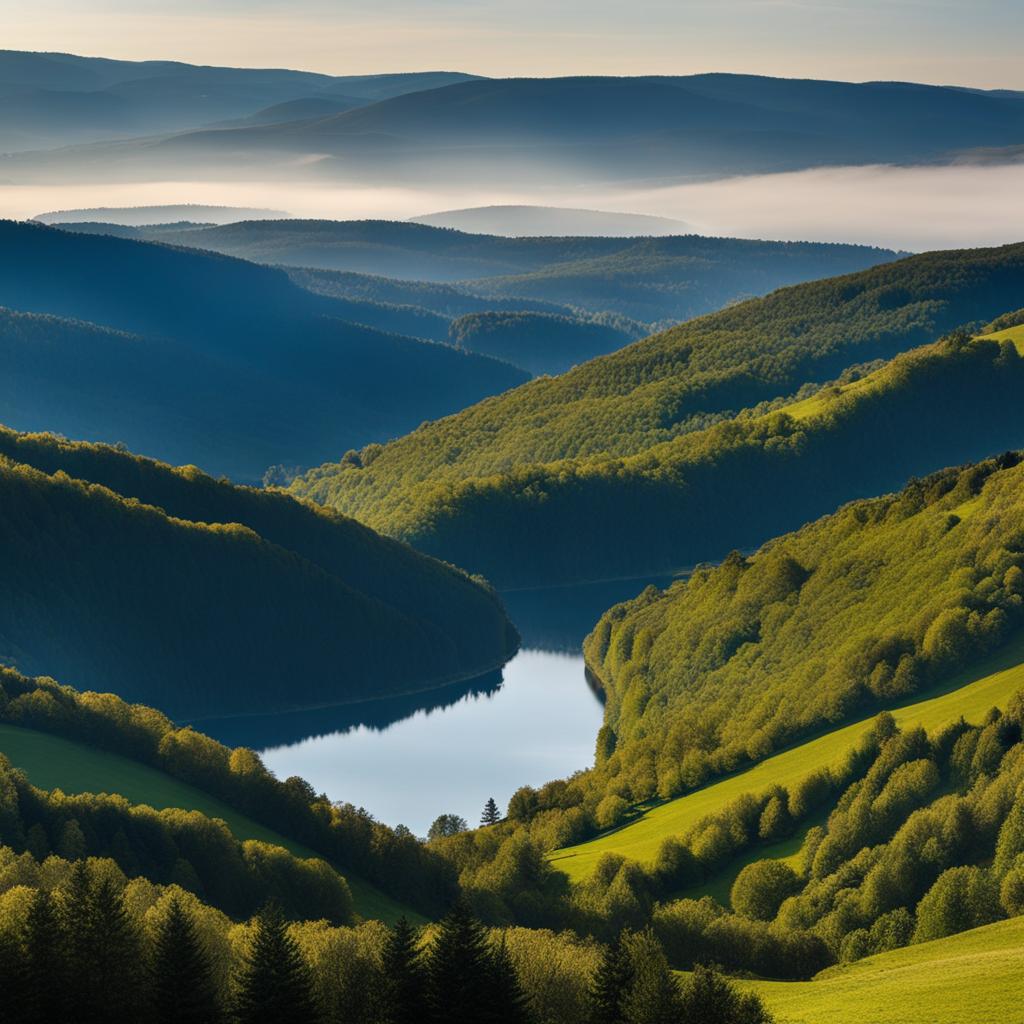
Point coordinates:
[(596, 461), (235, 366), (204, 598)]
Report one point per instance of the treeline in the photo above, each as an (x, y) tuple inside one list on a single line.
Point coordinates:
[(86, 945), (170, 846), (735, 484), (168, 594), (342, 834), (872, 604), (648, 393)]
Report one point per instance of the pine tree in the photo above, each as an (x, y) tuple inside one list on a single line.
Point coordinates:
[(14, 1008), (509, 1004), (460, 969), (653, 995), (183, 988), (491, 815), (405, 998), (275, 986), (708, 998), (75, 915), (611, 984), (118, 982), (46, 964)]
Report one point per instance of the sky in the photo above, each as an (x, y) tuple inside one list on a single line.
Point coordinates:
[(962, 42)]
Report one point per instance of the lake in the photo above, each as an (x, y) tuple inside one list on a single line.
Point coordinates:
[(447, 751)]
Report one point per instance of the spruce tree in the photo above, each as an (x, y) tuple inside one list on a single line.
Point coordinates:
[(183, 988), (491, 814), (611, 983), (14, 1006), (460, 969), (76, 924), (508, 1001), (47, 979), (275, 986), (653, 995), (118, 981), (405, 996)]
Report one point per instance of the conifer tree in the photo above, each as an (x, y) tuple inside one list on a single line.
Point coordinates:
[(508, 1001), (47, 979), (611, 983), (183, 988), (275, 986), (653, 995), (460, 969), (405, 998), (76, 924), (13, 981), (491, 815), (117, 980)]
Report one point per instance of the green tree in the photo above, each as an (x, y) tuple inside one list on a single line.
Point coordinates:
[(445, 825), (708, 998), (183, 987), (508, 1001), (46, 963), (14, 990), (611, 982), (274, 986), (761, 887), (117, 983), (491, 814), (460, 969), (653, 995), (405, 995)]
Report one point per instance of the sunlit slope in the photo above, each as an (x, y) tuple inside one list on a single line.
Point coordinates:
[(971, 694), (53, 762), (970, 978)]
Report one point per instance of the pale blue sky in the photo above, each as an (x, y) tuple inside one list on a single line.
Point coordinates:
[(968, 42)]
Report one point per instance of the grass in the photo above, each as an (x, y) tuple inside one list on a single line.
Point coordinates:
[(52, 762), (1014, 334), (970, 978), (989, 684)]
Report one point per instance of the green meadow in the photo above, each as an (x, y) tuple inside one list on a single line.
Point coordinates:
[(52, 762), (970, 978), (970, 694)]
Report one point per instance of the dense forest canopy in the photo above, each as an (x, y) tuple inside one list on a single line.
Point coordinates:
[(253, 600), (225, 364), (582, 453)]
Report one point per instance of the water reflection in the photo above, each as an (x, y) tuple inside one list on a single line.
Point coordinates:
[(409, 759)]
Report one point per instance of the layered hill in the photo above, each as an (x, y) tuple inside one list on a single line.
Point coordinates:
[(204, 598), (532, 221), (589, 129), (56, 99), (198, 358), (608, 463)]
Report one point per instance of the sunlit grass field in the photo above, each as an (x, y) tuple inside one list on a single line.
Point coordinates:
[(52, 762), (989, 684), (976, 977)]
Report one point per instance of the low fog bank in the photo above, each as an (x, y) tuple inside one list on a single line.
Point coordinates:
[(899, 207)]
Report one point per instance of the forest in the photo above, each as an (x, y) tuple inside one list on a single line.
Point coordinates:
[(238, 589)]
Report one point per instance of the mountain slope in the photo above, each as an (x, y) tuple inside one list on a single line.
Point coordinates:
[(559, 221), (203, 359), (310, 610), (581, 459)]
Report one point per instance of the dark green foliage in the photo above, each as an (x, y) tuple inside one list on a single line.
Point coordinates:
[(351, 616), (405, 980), (611, 983), (491, 815), (183, 988), (17, 1005), (460, 970), (45, 961), (708, 998), (580, 459), (274, 986), (653, 995), (507, 1003), (445, 825)]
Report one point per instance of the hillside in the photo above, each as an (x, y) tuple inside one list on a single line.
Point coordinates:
[(254, 601), (577, 129), (970, 978), (579, 459), (198, 358), (559, 221), (57, 99)]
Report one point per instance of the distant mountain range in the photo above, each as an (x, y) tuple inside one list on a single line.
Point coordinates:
[(138, 216), (56, 99), (455, 128)]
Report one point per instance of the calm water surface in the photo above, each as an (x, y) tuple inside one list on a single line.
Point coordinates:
[(411, 759)]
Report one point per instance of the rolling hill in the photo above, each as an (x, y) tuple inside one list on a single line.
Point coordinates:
[(578, 129), (559, 221), (197, 358), (582, 458), (254, 602), (58, 99)]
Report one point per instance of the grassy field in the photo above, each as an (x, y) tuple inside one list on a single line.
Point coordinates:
[(976, 977), (1014, 334), (990, 683), (52, 762)]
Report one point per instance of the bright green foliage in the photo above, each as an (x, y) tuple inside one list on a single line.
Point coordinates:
[(581, 459), (183, 986), (236, 588), (961, 898), (761, 887), (274, 986)]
